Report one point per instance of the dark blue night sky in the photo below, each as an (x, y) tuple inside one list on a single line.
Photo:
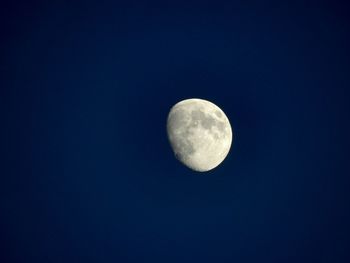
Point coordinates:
[(87, 173)]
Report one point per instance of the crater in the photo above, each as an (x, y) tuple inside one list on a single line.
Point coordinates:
[(218, 113), (205, 120)]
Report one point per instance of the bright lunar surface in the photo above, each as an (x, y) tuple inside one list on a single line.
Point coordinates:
[(200, 134)]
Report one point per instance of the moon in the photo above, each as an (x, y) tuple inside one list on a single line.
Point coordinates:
[(199, 133)]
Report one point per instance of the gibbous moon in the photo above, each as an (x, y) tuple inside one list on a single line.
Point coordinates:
[(199, 133)]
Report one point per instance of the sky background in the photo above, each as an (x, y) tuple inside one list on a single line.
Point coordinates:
[(87, 173)]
